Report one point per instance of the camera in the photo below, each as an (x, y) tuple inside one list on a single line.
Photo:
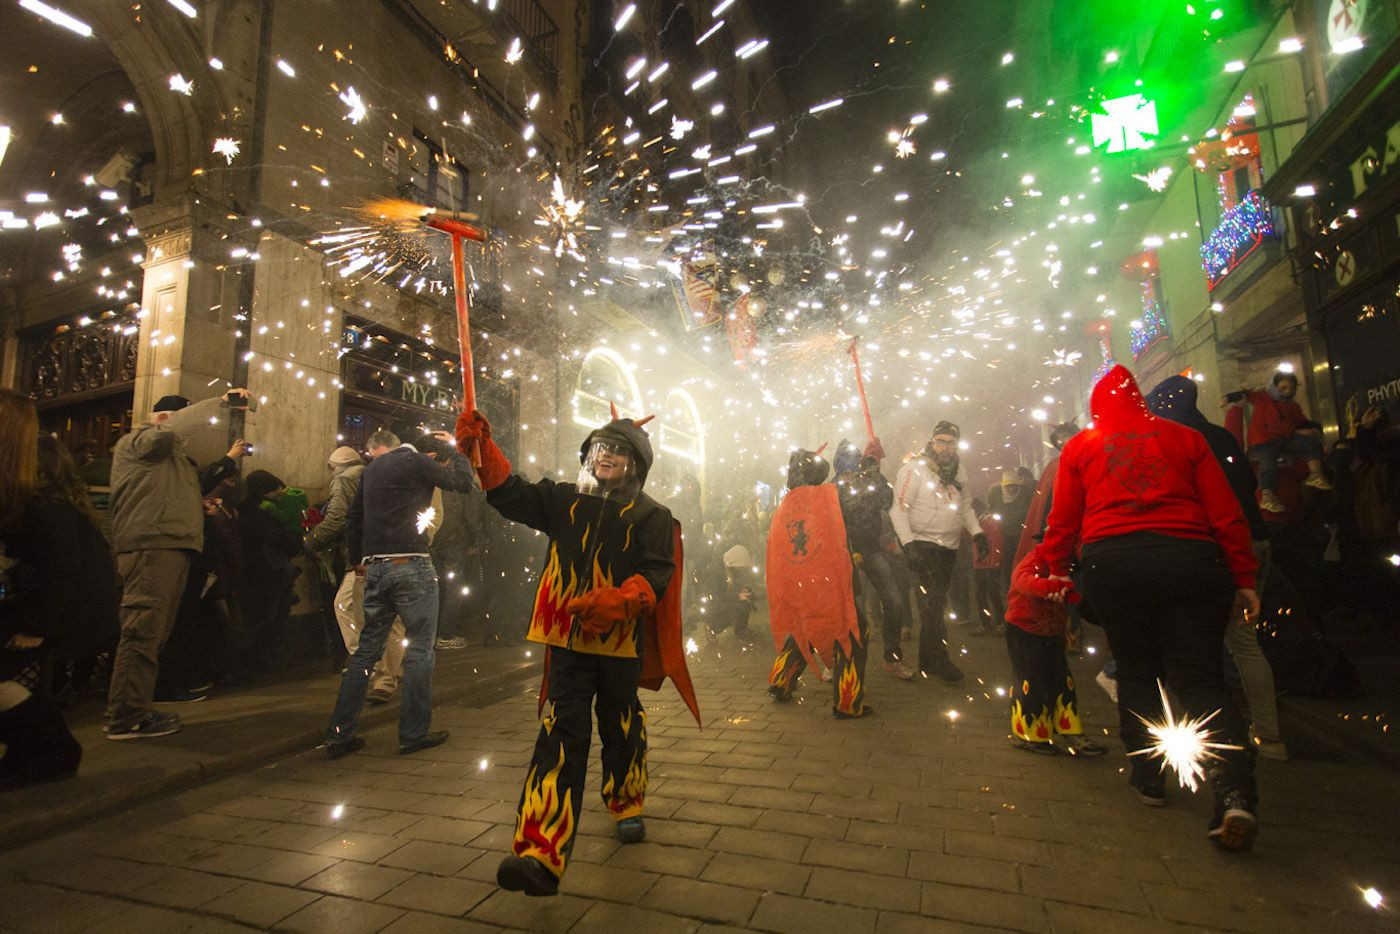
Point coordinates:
[(247, 449)]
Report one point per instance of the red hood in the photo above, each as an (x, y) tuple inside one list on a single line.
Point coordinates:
[(1117, 402)]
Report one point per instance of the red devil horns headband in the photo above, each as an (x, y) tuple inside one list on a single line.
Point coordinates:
[(636, 422)]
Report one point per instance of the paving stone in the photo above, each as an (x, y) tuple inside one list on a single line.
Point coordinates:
[(706, 901), (964, 870), (333, 915), (611, 918), (439, 859), (842, 854), (356, 880), (890, 922), (781, 798), (709, 812), (289, 868), (988, 846), (850, 887), (808, 825), (183, 888), (753, 872), (788, 915), (1082, 919), (514, 910), (259, 904), (437, 894), (782, 846), (667, 860), (360, 847), (984, 906), (419, 922), (446, 830), (1097, 891)]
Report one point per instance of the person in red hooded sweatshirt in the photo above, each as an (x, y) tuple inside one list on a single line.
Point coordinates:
[(1166, 556), (1044, 706)]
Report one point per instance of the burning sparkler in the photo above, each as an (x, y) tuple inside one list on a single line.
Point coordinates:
[(562, 214), (1184, 745), (228, 147), (426, 519)]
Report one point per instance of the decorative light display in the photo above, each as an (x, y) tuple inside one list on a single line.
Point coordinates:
[(1239, 233), (1154, 320)]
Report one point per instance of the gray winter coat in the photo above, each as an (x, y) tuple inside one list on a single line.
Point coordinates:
[(327, 537), (155, 485)]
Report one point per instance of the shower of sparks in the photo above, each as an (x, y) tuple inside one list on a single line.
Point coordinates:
[(515, 52), (1157, 179), (226, 146), (357, 107), (181, 85), (561, 215), (426, 519), (691, 646), (378, 252), (1183, 745), (1373, 898), (1065, 358)]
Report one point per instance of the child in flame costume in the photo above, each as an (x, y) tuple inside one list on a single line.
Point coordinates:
[(1044, 707), (608, 609), (811, 588)]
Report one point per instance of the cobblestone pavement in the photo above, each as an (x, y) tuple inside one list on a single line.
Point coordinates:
[(773, 818)]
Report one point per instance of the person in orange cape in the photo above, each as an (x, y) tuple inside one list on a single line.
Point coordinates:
[(608, 609), (811, 595)]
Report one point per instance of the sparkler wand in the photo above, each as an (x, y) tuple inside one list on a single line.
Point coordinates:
[(406, 214), (860, 385)]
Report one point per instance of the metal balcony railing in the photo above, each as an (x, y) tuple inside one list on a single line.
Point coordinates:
[(538, 32)]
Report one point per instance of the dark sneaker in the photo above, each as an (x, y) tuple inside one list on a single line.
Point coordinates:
[(945, 669), (779, 694), (181, 697), (1235, 828), (865, 711), (204, 687), (1150, 789), (1044, 749), (524, 874), (1079, 745), (340, 750), (435, 738), (151, 725), (631, 830), (379, 697)]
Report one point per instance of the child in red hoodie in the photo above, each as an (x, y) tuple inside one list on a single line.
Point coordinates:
[(1044, 707)]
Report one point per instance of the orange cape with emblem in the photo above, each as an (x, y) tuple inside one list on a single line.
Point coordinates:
[(663, 651), (809, 573)]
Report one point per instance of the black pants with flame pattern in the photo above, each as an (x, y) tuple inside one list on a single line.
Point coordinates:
[(552, 798), (847, 672)]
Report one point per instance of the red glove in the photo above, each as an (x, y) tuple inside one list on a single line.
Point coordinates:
[(600, 610), (472, 427), (474, 431), (875, 449)]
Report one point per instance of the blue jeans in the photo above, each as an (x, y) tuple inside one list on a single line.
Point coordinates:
[(409, 591), (1267, 453)]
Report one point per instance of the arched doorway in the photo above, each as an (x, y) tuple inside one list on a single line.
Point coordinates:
[(605, 378)]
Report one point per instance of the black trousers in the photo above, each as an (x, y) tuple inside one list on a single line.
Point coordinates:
[(1164, 604), (1043, 700), (894, 601), (991, 596), (933, 567), (552, 798)]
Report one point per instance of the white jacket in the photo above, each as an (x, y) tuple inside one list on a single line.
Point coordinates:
[(928, 510)]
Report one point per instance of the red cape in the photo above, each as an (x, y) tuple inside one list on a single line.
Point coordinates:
[(809, 573), (663, 651)]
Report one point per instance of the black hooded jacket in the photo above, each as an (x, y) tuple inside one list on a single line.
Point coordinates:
[(594, 541), (1174, 398)]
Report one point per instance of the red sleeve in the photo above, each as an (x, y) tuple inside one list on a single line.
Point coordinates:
[(1223, 513), (1234, 422), (1066, 512)]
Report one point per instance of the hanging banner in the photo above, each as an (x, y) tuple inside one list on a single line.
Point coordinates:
[(696, 297), (743, 333)]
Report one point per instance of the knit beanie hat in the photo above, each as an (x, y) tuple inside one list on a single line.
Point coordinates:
[(261, 482), (946, 427), (344, 456)]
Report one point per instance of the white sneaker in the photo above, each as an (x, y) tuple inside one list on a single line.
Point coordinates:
[(1109, 685), (455, 642), (1318, 482), (900, 670)]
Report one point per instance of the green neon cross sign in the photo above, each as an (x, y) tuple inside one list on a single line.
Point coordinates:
[(1126, 124)]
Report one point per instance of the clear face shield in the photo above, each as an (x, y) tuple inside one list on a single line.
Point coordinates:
[(609, 468)]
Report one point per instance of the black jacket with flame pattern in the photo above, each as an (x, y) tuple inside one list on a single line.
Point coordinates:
[(594, 541)]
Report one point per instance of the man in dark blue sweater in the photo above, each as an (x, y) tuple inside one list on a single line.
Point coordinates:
[(386, 531)]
